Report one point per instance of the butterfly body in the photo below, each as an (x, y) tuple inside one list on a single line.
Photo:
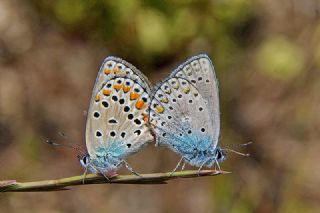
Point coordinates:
[(104, 160), (197, 150)]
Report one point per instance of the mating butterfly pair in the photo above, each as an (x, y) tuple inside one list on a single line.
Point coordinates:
[(125, 114)]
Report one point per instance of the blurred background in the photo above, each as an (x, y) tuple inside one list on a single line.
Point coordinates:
[(267, 59)]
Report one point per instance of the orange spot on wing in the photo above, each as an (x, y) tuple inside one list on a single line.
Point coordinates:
[(106, 91), (118, 86), (107, 71), (140, 104), (97, 98), (126, 88), (145, 118), (134, 95)]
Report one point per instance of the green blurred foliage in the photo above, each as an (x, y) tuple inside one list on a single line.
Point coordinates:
[(280, 59), (153, 29)]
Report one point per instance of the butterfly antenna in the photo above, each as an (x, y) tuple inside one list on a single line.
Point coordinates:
[(236, 152), (77, 148), (62, 134), (238, 145), (85, 113), (245, 144)]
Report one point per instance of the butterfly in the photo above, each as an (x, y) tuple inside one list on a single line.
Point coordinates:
[(117, 120), (184, 113)]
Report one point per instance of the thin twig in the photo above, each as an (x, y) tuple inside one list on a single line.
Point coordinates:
[(62, 184)]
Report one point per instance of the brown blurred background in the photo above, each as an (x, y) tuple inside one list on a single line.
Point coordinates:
[(267, 58)]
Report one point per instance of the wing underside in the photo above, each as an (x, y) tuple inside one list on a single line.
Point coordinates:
[(117, 113)]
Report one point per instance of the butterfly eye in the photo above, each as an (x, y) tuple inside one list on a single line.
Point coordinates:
[(219, 154), (84, 159)]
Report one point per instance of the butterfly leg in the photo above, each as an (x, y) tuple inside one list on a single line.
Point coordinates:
[(177, 166), (106, 177), (84, 175), (183, 165), (130, 168), (202, 165), (217, 163)]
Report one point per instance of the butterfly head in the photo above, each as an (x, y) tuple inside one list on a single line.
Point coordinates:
[(84, 160), (86, 163), (220, 154)]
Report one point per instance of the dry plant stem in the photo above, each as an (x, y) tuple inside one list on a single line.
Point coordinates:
[(62, 184)]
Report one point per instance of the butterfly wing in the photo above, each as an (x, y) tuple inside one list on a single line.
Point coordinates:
[(113, 66), (200, 72), (116, 117), (180, 116)]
